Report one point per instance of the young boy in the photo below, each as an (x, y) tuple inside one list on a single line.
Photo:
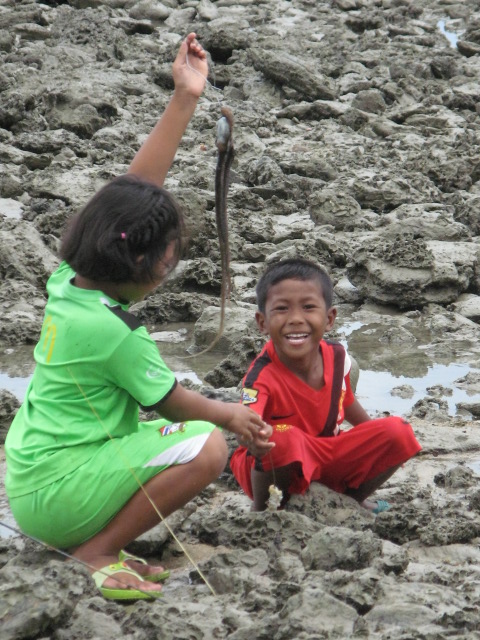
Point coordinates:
[(300, 385)]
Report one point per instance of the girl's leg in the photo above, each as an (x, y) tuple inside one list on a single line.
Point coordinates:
[(169, 490)]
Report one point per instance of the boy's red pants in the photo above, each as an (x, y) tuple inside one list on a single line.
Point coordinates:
[(340, 462)]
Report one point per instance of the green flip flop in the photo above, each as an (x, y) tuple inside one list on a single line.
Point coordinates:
[(123, 556), (121, 594)]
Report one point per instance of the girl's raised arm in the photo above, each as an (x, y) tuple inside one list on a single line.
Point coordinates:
[(157, 153)]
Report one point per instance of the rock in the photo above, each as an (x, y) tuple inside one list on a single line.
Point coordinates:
[(468, 305), (414, 273), (9, 405), (239, 321), (23, 254), (370, 100), (339, 548), (287, 70)]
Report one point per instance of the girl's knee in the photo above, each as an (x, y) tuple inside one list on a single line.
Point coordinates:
[(215, 452)]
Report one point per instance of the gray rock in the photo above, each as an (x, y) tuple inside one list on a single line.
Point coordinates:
[(340, 548), (290, 71)]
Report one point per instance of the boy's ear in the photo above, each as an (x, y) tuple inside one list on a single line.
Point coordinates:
[(260, 318), (331, 316)]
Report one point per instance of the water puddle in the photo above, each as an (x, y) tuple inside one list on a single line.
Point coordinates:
[(396, 375), (474, 466), (11, 208), (393, 377), (451, 36)]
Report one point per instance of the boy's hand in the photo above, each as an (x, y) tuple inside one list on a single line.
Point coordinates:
[(250, 429), (190, 68), (260, 445)]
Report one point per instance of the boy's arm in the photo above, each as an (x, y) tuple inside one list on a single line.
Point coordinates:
[(257, 400), (356, 414), (157, 153)]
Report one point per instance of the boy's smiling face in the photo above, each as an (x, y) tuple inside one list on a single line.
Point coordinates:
[(296, 318)]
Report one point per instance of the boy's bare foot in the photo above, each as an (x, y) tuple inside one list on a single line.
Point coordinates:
[(375, 506)]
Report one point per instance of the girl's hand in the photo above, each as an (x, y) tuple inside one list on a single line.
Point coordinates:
[(260, 445), (246, 424), (190, 68)]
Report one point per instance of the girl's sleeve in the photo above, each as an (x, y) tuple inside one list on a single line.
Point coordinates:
[(137, 367)]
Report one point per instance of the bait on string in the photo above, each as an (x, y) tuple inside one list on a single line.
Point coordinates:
[(225, 155)]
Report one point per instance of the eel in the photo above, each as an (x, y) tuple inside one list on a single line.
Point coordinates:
[(225, 155)]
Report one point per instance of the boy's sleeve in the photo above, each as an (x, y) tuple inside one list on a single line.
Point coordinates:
[(349, 396), (256, 397)]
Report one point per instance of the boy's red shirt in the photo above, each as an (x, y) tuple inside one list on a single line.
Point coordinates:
[(280, 397)]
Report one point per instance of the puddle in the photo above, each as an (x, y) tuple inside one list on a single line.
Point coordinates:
[(383, 382), (451, 36), (383, 366), (11, 208), (474, 466), (386, 365)]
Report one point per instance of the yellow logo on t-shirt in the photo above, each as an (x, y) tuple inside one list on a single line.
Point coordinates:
[(49, 338), (249, 396), (282, 427)]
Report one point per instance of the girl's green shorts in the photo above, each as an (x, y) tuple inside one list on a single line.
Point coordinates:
[(79, 505)]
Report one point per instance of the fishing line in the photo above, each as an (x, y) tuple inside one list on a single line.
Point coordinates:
[(207, 81), (138, 481)]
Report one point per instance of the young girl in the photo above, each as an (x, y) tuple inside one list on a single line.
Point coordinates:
[(75, 451)]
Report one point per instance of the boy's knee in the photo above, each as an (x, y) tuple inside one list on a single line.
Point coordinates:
[(399, 430), (282, 440)]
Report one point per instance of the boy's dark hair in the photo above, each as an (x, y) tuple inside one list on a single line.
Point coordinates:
[(126, 219), (293, 269)]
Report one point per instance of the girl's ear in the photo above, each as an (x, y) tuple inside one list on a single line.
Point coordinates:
[(261, 322)]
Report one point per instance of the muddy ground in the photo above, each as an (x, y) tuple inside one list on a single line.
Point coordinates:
[(357, 138)]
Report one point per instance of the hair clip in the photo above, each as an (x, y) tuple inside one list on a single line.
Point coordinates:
[(123, 235)]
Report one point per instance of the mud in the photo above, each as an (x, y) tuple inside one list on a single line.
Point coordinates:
[(356, 131)]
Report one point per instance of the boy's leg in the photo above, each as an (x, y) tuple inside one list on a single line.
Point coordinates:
[(367, 455), (169, 490), (370, 486)]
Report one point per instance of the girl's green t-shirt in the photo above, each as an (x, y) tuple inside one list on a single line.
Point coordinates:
[(95, 364)]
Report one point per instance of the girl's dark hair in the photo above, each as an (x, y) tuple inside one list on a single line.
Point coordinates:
[(126, 219), (293, 269)]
